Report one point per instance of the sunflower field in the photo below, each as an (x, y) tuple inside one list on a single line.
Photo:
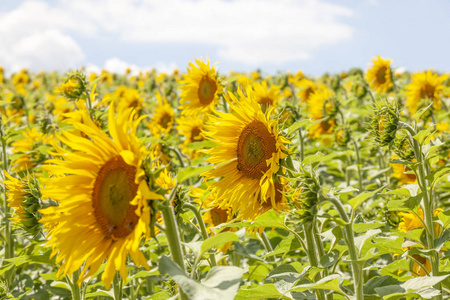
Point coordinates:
[(204, 185)]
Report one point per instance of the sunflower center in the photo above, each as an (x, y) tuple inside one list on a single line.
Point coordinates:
[(165, 120), (427, 92), (381, 75), (195, 134), (218, 216), (206, 90), (114, 189), (255, 145)]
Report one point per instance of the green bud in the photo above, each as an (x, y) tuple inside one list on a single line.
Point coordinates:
[(384, 123), (330, 107), (342, 136), (402, 146), (74, 85)]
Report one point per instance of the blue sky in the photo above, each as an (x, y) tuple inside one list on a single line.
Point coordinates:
[(314, 36)]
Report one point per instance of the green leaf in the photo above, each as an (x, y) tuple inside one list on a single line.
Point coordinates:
[(268, 219), (330, 282), (361, 240), (406, 204), (395, 266), (286, 272), (201, 145), (418, 285), (264, 291), (329, 259), (220, 282), (31, 259), (445, 218), (440, 241), (283, 247), (422, 135), (355, 202), (363, 227), (420, 112), (217, 241), (409, 190), (100, 293), (190, 172)]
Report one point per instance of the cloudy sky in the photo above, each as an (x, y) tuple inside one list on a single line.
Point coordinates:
[(314, 36)]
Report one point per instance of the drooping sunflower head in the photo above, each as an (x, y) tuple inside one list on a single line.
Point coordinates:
[(322, 104), (100, 187), (379, 76), (200, 89), (163, 117), (427, 86), (247, 155)]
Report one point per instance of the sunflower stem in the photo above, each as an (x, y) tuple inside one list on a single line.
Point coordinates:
[(76, 292), (267, 245), (225, 104), (358, 165), (302, 146), (349, 240), (423, 169), (173, 238), (117, 285), (312, 255), (212, 258)]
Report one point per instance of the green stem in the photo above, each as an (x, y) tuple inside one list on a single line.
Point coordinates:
[(349, 240), (302, 146), (173, 238), (76, 292), (312, 255), (427, 204), (358, 165), (225, 104), (117, 285), (198, 216), (267, 245)]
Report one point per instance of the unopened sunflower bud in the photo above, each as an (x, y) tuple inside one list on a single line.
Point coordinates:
[(330, 107), (342, 136), (335, 82), (307, 195), (74, 85), (24, 196), (384, 123), (402, 146), (359, 89)]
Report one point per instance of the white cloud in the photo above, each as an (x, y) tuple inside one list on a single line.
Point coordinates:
[(118, 66), (247, 31)]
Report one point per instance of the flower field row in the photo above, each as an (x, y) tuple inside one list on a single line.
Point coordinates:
[(204, 185)]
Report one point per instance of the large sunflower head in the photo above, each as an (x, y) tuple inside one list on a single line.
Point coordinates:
[(425, 86), (102, 194), (379, 76), (247, 155), (200, 89)]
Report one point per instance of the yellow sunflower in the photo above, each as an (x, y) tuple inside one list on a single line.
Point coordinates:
[(398, 171), (163, 117), (29, 151), (200, 89), (379, 76), (131, 98), (247, 156), (191, 129), (307, 89), (102, 197), (322, 105), (425, 86), (266, 96)]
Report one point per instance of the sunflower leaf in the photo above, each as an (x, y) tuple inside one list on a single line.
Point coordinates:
[(191, 172)]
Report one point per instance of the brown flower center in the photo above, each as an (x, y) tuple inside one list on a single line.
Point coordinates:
[(427, 92), (381, 75), (114, 189), (255, 145), (206, 90)]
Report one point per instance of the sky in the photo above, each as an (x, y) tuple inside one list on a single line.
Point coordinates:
[(314, 36)]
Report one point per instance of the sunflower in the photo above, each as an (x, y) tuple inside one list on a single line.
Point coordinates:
[(425, 86), (322, 105), (379, 76), (163, 118), (30, 149), (266, 96), (102, 195), (398, 171), (191, 129), (247, 156), (307, 89), (200, 88), (131, 98)]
